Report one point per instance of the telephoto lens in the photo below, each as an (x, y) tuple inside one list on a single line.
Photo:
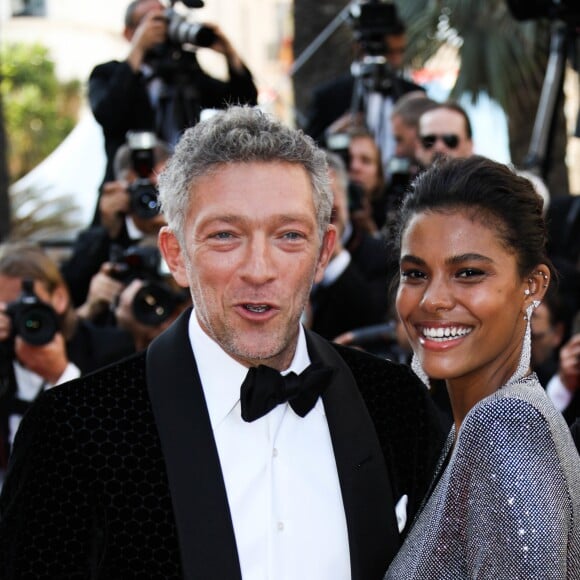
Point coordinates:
[(33, 320)]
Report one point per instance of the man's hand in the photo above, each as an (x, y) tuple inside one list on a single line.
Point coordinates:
[(114, 204), (103, 291), (49, 360), (224, 46), (5, 323), (150, 32), (569, 370)]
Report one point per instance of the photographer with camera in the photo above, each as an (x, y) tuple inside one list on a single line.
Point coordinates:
[(366, 94), (129, 212), (43, 342), (161, 87), (145, 308)]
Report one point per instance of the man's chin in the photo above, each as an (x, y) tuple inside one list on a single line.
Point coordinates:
[(253, 354)]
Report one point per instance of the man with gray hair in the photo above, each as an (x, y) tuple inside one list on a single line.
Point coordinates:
[(239, 445)]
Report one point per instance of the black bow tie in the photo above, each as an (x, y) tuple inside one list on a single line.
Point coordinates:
[(264, 388)]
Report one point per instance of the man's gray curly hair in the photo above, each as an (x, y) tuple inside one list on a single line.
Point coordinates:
[(239, 135)]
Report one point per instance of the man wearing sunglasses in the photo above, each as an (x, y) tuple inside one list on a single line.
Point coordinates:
[(444, 131)]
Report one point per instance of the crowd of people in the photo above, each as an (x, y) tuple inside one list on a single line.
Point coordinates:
[(350, 350)]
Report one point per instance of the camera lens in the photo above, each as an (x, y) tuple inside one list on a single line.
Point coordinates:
[(36, 324), (144, 201), (153, 304), (181, 31)]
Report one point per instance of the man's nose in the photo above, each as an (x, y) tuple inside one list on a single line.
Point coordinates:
[(259, 264)]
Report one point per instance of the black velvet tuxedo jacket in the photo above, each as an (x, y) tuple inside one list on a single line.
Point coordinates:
[(117, 476)]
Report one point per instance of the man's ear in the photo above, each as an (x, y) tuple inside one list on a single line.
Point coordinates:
[(326, 251), (173, 256)]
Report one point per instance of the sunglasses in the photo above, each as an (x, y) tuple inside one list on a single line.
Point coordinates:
[(451, 141)]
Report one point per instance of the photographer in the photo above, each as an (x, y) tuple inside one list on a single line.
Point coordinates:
[(43, 342), (161, 87), (146, 308), (128, 213), (365, 96)]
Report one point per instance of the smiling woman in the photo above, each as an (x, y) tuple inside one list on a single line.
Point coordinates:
[(473, 267)]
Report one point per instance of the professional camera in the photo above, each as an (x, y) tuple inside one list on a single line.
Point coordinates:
[(156, 300), (143, 192), (566, 10), (32, 319), (372, 21), (401, 171), (134, 262), (180, 31)]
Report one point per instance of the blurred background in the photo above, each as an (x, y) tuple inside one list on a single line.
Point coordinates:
[(52, 158)]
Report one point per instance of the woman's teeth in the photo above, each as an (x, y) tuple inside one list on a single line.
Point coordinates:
[(440, 334)]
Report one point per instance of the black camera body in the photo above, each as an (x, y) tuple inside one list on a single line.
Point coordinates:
[(156, 300), (566, 10), (32, 319), (180, 31), (371, 21), (144, 201), (134, 262)]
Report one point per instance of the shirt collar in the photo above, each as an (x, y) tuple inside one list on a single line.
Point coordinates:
[(336, 267), (222, 389)]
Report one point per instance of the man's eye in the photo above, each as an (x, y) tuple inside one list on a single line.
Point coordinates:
[(222, 236), (293, 236)]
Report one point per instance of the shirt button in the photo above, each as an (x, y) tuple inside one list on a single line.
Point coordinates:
[(274, 452), (280, 526)]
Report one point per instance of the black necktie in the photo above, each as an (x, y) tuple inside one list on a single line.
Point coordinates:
[(264, 388)]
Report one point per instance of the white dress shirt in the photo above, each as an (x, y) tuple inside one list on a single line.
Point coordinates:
[(378, 118), (560, 396), (280, 475)]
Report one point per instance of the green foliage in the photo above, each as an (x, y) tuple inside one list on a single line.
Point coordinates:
[(498, 55), (39, 110)]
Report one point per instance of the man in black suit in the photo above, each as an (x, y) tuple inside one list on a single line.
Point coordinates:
[(366, 94), (46, 344), (161, 466), (352, 293), (160, 86)]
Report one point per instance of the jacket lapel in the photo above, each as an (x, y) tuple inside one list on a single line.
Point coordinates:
[(364, 480), (206, 535)]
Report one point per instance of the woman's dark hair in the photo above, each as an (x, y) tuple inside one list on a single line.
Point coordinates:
[(492, 194)]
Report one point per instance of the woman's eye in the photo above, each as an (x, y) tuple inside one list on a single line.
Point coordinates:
[(469, 273), (412, 274)]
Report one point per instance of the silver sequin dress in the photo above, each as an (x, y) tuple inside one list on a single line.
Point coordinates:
[(506, 503)]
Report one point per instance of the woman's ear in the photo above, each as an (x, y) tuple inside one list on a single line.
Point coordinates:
[(537, 285)]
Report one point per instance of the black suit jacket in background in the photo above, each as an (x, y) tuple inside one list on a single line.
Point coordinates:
[(120, 101), (333, 99), (345, 304), (117, 476)]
